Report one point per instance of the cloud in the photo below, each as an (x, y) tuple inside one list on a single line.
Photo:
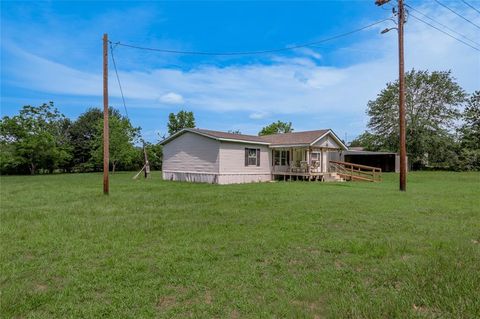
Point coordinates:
[(172, 98), (258, 115), (298, 84)]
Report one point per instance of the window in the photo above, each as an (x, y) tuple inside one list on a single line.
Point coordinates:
[(252, 157), (281, 158)]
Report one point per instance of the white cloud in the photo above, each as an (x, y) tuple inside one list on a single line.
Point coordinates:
[(258, 115), (172, 98), (296, 85)]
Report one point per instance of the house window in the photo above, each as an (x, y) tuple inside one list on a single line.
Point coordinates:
[(315, 156), (281, 158), (252, 157)]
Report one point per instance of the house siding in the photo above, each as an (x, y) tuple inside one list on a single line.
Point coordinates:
[(327, 142), (191, 153), (232, 164)]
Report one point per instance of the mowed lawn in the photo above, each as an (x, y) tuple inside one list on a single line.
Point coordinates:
[(287, 250)]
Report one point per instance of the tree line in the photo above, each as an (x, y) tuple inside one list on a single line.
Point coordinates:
[(442, 122), (40, 139), (443, 132)]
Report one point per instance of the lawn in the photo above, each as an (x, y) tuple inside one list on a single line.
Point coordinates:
[(287, 249)]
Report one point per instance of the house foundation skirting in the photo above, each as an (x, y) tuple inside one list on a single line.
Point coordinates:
[(217, 178)]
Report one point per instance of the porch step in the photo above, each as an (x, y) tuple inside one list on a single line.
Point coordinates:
[(332, 177)]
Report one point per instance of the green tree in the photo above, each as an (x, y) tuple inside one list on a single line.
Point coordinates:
[(37, 138), (122, 136), (469, 153), (154, 154), (179, 121), (277, 128), (432, 101), (83, 132)]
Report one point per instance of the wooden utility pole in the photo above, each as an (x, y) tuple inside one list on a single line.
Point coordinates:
[(105, 117), (401, 90), (147, 164), (401, 100)]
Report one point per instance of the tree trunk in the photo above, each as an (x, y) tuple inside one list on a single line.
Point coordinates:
[(32, 169), (113, 167)]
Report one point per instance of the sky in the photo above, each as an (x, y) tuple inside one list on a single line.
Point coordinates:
[(52, 51)]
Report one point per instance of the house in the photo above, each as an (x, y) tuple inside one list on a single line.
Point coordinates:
[(200, 155)]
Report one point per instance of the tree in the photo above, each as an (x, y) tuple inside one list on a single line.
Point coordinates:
[(469, 153), (83, 132), (366, 140), (276, 128), (122, 136), (234, 132), (154, 154), (432, 101), (179, 121), (37, 138)]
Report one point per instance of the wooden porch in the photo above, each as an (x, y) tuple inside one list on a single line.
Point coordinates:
[(337, 171)]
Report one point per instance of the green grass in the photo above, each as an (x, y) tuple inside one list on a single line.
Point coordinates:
[(297, 250)]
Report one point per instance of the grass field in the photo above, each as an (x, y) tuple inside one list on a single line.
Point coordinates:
[(286, 249)]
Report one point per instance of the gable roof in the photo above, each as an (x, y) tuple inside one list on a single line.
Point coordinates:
[(295, 138), (305, 138), (218, 135)]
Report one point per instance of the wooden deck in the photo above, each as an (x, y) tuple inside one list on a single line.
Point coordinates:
[(305, 176)]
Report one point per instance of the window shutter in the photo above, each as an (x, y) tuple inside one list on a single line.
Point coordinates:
[(246, 157), (258, 157)]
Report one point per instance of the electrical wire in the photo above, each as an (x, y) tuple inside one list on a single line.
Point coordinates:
[(448, 34), (118, 80), (441, 24), (458, 14), (468, 4), (308, 44)]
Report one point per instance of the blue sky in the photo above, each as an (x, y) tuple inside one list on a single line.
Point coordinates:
[(52, 51)]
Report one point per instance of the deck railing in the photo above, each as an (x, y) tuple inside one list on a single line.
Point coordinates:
[(351, 171)]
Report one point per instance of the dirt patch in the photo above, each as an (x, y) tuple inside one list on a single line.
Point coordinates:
[(166, 302), (235, 314), (41, 288)]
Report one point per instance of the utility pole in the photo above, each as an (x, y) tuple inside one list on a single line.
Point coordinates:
[(147, 164), (401, 91), (401, 100), (105, 117)]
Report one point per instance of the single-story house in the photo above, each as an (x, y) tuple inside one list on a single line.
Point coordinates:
[(200, 155)]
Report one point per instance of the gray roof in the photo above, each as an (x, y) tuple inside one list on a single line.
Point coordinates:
[(357, 152), (284, 139), (294, 138)]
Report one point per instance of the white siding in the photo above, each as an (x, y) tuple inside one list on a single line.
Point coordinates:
[(327, 141), (232, 159), (191, 153)]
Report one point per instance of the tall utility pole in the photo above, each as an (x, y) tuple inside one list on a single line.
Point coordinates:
[(105, 116), (401, 99), (401, 90)]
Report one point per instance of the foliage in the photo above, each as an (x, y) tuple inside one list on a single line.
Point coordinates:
[(276, 128), (155, 155), (37, 138), (179, 121), (432, 101), (469, 153), (122, 136), (159, 249)]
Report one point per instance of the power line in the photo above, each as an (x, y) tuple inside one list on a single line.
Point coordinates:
[(458, 14), (253, 52), (441, 24), (468, 4), (118, 80), (448, 34)]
